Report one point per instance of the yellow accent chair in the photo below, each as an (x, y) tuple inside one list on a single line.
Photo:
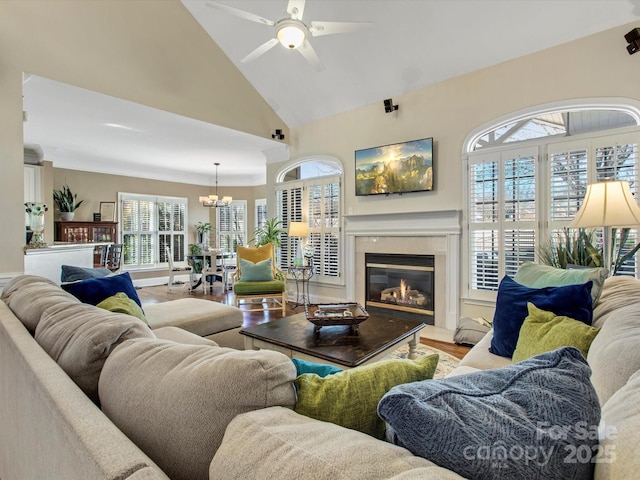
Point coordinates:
[(257, 278)]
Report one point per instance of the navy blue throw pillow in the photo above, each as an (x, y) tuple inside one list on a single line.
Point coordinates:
[(95, 290), (572, 301), (523, 421)]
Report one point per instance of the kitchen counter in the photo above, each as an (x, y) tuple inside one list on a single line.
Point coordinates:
[(47, 262)]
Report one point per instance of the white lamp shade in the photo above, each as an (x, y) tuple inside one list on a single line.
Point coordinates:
[(227, 199), (204, 199), (608, 204), (291, 36), (213, 198), (298, 229)]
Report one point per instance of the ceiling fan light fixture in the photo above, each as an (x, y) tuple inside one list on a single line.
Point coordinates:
[(290, 34)]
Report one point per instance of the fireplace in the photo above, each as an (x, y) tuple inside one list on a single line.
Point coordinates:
[(400, 285)]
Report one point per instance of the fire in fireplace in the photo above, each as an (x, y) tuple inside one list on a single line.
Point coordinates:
[(400, 285)]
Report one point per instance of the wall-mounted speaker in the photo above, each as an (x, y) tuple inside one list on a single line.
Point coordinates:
[(633, 39)]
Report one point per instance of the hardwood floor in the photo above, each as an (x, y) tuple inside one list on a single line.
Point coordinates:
[(149, 295)]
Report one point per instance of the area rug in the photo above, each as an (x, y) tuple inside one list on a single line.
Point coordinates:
[(446, 363)]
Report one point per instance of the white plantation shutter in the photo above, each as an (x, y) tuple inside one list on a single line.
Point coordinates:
[(616, 158), (502, 214), (515, 207), (290, 209), (520, 225), (316, 200), (231, 226), (575, 164), (149, 223), (171, 229), (483, 214), (323, 212), (261, 212)]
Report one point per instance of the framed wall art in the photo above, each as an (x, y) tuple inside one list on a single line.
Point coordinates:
[(107, 211)]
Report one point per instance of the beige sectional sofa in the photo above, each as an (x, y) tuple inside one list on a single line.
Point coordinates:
[(219, 413)]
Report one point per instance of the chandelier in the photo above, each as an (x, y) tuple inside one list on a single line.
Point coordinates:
[(214, 201)]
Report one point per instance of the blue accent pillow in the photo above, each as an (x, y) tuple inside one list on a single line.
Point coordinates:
[(320, 369), (517, 422), (95, 290), (572, 301), (71, 273), (256, 272)]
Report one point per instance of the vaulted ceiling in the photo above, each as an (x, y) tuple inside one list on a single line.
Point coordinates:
[(412, 44)]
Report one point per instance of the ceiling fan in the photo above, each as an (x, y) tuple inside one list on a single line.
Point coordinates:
[(291, 31)]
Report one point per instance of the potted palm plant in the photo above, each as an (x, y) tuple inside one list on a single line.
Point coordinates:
[(269, 232), (67, 202)]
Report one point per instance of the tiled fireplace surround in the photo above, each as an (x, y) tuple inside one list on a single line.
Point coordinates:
[(420, 233)]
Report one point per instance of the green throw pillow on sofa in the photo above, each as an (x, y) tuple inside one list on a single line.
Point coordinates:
[(350, 398), (544, 331), (121, 303)]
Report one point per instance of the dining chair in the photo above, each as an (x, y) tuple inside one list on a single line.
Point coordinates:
[(113, 260), (173, 270)]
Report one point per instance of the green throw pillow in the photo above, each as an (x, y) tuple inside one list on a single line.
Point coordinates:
[(256, 272), (120, 303), (350, 398), (544, 331)]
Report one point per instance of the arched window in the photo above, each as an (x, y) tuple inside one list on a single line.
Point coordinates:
[(309, 190), (527, 174)]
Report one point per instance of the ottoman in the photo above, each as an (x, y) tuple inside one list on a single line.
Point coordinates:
[(216, 321)]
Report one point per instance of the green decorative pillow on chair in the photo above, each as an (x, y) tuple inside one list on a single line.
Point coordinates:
[(256, 272), (253, 255)]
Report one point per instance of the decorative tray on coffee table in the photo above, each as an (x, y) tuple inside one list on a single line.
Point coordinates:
[(324, 315)]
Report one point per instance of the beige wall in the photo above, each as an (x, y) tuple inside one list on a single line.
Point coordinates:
[(595, 66), (93, 188), (153, 53)]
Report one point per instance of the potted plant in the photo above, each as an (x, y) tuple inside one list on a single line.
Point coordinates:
[(67, 202), (269, 232), (203, 230)]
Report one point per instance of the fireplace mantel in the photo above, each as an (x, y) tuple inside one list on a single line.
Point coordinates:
[(442, 225)]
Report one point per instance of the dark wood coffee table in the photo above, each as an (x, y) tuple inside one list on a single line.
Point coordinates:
[(337, 345)]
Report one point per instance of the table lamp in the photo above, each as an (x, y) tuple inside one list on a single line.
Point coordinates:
[(607, 204), (299, 230)]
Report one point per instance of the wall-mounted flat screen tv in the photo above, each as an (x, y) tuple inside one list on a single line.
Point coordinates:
[(397, 168)]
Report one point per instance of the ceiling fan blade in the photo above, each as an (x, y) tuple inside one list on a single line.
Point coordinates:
[(307, 51), (261, 50), (241, 13), (330, 28), (296, 8)]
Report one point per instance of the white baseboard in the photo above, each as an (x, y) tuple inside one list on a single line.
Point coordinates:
[(155, 281)]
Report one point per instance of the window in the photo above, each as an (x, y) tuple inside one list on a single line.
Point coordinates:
[(149, 223), (261, 212), (502, 214), (526, 181), (313, 194), (231, 226)]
